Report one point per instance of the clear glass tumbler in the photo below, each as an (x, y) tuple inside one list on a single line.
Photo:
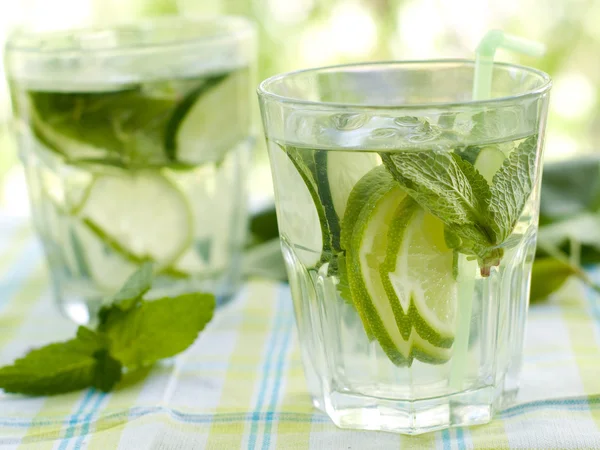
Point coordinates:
[(408, 217), (135, 141)]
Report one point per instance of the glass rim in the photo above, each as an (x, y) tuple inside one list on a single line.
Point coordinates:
[(231, 29), (264, 92)]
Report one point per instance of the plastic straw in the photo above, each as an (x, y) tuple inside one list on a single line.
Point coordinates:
[(484, 59), (482, 87)]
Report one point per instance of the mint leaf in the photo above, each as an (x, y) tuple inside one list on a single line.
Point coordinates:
[(157, 329), (132, 332), (449, 188), (437, 182), (512, 186), (54, 368), (495, 122), (130, 294), (468, 153), (569, 188), (107, 372), (547, 276), (135, 287)]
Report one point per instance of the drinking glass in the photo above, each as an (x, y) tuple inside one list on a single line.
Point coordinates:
[(135, 140), (408, 216)]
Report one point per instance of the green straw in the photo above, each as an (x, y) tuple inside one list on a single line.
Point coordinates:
[(484, 59), (482, 87)]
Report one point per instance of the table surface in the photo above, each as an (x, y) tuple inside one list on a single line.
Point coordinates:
[(241, 385)]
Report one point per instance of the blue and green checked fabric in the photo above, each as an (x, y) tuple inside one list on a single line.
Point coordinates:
[(242, 386)]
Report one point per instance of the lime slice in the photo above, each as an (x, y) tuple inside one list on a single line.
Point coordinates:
[(211, 120), (488, 161), (419, 274), (140, 215), (300, 214), (366, 252)]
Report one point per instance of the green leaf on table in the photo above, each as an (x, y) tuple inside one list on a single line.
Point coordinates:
[(107, 372), (54, 368), (583, 228), (263, 225), (570, 188), (135, 287), (130, 293), (132, 333), (157, 329), (548, 275)]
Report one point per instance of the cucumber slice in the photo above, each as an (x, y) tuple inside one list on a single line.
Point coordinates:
[(488, 161), (300, 214), (210, 121), (366, 251), (213, 195), (336, 174), (97, 259), (140, 215)]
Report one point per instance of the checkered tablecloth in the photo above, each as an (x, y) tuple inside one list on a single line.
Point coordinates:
[(241, 385)]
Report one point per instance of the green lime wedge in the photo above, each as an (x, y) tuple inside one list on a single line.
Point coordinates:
[(379, 197), (419, 274), (140, 215)]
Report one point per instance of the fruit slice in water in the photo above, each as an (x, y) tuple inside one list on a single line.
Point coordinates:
[(488, 161), (366, 252), (336, 174), (210, 121), (300, 214), (418, 274), (213, 193), (98, 260), (358, 197), (141, 216)]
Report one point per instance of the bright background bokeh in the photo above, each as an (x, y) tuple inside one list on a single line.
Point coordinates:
[(303, 33)]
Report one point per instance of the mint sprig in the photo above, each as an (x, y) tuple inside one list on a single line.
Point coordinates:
[(479, 216), (132, 332), (512, 186)]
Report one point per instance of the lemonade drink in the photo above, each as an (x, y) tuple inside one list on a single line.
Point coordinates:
[(408, 238), (135, 141)]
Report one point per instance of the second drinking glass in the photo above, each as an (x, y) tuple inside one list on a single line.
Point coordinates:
[(135, 141)]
